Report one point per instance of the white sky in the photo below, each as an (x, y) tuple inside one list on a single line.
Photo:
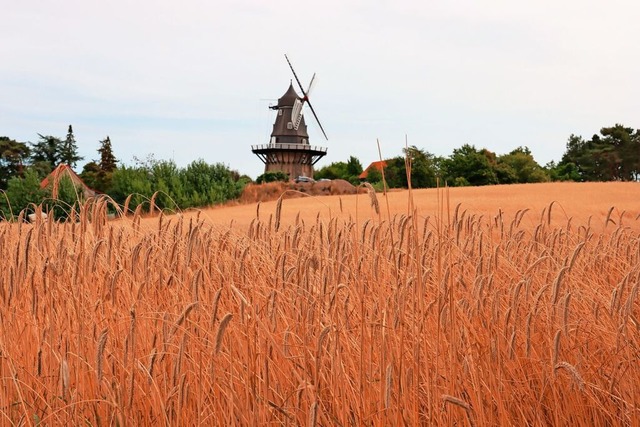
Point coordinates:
[(193, 79)]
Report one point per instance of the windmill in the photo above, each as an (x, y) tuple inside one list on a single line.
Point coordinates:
[(289, 150)]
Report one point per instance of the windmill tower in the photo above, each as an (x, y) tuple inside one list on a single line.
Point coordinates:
[(289, 150)]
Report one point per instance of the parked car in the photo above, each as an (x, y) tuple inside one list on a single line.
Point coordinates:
[(303, 179)]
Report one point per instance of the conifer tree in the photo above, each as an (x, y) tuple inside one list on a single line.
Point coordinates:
[(69, 150), (107, 159)]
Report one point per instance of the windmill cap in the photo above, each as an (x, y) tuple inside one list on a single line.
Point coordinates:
[(289, 97)]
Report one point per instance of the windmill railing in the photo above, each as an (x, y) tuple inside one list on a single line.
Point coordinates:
[(296, 147)]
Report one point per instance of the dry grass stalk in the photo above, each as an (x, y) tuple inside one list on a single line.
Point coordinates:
[(447, 399), (373, 199), (182, 317), (278, 213), (102, 341), (221, 328), (575, 375)]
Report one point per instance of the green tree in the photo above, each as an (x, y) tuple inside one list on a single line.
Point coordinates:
[(98, 174), (199, 184), (13, 155), (134, 181), (472, 165), (353, 170), (374, 175), (207, 184), (349, 171), (336, 170), (108, 161), (68, 150), (614, 155), (423, 168), (623, 147), (520, 167), (395, 173), (21, 193), (91, 176), (45, 154), (562, 172), (166, 180)]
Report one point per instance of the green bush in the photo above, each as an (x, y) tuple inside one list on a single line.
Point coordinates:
[(21, 194), (272, 177)]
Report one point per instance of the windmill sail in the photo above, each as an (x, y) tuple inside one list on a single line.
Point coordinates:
[(296, 114)]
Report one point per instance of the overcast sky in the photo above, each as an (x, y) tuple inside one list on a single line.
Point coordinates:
[(194, 79)]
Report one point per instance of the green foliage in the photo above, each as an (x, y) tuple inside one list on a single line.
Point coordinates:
[(99, 174), (374, 175), (134, 181), (68, 150), (207, 184), (272, 177), (519, 167), (353, 170), (20, 194), (166, 179), (199, 184), (91, 176), (474, 165), (108, 161), (67, 197), (50, 151), (13, 154), (423, 166), (614, 155), (563, 172), (336, 170), (46, 152), (23, 193), (349, 171), (107, 164)]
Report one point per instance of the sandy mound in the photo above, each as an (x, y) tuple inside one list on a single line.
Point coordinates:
[(271, 191)]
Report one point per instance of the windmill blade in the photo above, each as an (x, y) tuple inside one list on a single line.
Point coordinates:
[(317, 120), (296, 113), (313, 80), (306, 97), (296, 76)]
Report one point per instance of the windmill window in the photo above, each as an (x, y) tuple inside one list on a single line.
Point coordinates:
[(279, 112), (289, 125)]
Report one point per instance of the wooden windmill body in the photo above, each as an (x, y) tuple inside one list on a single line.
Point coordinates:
[(288, 149)]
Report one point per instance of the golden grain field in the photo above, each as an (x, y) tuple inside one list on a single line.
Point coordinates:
[(506, 305)]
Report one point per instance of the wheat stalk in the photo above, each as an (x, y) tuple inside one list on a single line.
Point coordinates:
[(221, 328), (102, 341)]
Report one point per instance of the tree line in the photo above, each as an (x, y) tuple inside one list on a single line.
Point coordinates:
[(613, 155), (23, 166)]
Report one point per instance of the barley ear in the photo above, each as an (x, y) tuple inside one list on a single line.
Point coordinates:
[(221, 328), (102, 341)]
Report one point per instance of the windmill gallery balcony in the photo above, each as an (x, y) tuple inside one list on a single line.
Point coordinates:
[(289, 153)]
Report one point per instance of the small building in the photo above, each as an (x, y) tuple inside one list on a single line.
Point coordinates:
[(379, 165), (62, 170)]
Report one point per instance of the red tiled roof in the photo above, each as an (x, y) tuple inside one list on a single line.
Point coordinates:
[(380, 164), (64, 169)]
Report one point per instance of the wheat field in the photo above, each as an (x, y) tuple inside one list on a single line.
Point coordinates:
[(509, 305)]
